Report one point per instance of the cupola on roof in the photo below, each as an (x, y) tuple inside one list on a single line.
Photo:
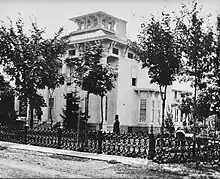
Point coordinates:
[(101, 20)]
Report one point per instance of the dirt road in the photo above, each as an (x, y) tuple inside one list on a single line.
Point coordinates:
[(16, 163)]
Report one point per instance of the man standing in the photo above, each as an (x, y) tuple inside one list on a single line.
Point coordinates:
[(116, 128)]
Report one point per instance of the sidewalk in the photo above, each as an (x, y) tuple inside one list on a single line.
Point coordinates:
[(103, 157), (181, 169)]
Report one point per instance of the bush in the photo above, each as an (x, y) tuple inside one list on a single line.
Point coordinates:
[(168, 123)]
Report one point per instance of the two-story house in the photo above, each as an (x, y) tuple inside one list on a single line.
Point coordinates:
[(134, 100)]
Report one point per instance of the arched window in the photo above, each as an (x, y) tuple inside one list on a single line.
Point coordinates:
[(95, 23), (88, 24), (109, 25), (103, 23), (82, 25)]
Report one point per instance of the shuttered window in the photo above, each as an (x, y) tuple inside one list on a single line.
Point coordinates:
[(143, 109)]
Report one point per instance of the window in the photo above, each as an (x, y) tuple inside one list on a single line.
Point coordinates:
[(22, 107), (153, 110), (158, 112), (88, 23), (115, 51), (181, 117), (143, 109), (130, 55), (134, 81), (103, 23), (109, 25), (68, 83), (175, 115), (69, 106), (51, 108), (175, 95), (82, 26), (95, 23), (106, 108), (72, 52)]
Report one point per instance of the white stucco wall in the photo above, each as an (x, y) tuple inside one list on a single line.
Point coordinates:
[(127, 98)]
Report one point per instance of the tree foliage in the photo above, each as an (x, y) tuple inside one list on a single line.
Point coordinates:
[(213, 87), (197, 46), (30, 59), (91, 73), (7, 112), (186, 104), (203, 106), (197, 41), (71, 112), (168, 123), (160, 51)]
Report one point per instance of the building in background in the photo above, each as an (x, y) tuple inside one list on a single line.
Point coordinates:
[(134, 100)]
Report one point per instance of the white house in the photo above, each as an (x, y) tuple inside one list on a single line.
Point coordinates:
[(136, 102)]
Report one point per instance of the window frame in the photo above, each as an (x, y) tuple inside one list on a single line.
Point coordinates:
[(69, 52), (130, 53), (114, 48), (134, 81), (143, 111), (153, 111)]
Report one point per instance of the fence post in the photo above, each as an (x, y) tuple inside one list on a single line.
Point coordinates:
[(25, 133), (100, 137), (151, 151), (59, 135)]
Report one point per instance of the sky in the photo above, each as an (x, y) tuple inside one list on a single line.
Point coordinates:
[(53, 14)]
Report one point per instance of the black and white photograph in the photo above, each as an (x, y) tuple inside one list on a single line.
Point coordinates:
[(110, 89)]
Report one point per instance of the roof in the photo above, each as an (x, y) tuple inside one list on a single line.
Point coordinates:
[(146, 89), (96, 13), (95, 35)]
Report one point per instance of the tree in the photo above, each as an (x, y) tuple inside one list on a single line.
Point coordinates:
[(185, 105), (197, 45), (90, 54), (91, 74), (53, 50), (214, 77), (7, 112), (160, 52), (29, 59), (101, 80), (71, 112), (168, 123), (203, 105)]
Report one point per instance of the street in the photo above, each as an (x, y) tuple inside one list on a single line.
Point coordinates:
[(15, 163)]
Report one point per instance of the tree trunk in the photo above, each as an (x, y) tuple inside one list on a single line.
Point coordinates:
[(87, 107), (218, 121), (102, 117), (163, 97), (78, 127), (51, 102), (51, 119), (31, 117), (163, 115)]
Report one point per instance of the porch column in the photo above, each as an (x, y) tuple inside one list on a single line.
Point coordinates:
[(104, 114), (63, 90)]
